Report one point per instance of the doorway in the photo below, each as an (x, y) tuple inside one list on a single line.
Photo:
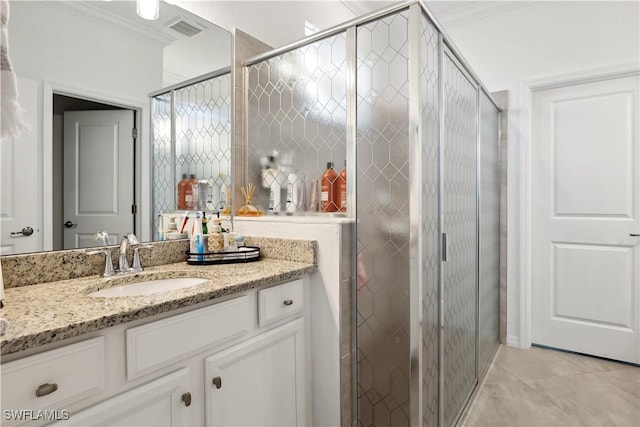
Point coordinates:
[(585, 209), (93, 171)]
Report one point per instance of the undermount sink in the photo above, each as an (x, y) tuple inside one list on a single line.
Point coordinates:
[(148, 287)]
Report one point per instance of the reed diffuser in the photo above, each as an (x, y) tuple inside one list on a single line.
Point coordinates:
[(248, 209), (227, 208)]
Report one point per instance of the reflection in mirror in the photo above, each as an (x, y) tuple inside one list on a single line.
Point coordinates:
[(102, 52), (191, 134)]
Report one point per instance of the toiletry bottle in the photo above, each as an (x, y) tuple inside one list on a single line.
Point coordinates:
[(313, 198), (293, 193), (199, 247), (328, 189), (160, 218), (342, 189), (196, 233), (215, 242), (182, 187), (204, 223), (188, 192)]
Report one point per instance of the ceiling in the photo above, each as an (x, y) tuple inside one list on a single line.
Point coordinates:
[(281, 22)]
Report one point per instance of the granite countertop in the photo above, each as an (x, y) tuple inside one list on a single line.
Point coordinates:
[(48, 312)]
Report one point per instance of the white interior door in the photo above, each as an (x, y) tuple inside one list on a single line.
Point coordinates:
[(98, 175), (19, 207), (585, 185)]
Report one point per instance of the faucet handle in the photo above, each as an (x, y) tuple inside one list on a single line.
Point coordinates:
[(108, 263), (137, 267)]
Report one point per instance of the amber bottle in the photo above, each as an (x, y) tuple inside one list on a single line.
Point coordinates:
[(329, 189), (182, 188), (342, 189)]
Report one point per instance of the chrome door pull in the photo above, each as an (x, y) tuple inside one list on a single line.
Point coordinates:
[(45, 389), (27, 231), (70, 224)]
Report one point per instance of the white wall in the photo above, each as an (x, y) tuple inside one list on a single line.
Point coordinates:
[(47, 43), (325, 310), (68, 51), (276, 23), (542, 41)]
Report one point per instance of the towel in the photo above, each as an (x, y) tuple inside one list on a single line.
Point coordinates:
[(11, 115)]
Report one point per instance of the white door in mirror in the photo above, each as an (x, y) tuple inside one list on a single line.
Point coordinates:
[(20, 186)]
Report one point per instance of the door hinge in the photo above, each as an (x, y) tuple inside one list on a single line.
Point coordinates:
[(134, 209), (134, 133)]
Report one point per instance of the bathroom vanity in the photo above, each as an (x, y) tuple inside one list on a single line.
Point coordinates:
[(234, 350)]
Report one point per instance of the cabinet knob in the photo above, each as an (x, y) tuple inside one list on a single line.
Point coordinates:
[(186, 398), (217, 381), (288, 302), (45, 389)]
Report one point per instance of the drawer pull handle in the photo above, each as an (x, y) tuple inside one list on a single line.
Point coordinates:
[(288, 302), (217, 381), (45, 389), (186, 398)]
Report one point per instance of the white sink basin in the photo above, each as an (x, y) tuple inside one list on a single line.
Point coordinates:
[(147, 288)]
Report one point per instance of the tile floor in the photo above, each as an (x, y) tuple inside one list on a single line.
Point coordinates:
[(541, 387)]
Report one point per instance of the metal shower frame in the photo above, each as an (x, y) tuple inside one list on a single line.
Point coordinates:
[(446, 47)]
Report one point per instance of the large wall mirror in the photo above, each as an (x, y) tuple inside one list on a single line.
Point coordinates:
[(85, 72)]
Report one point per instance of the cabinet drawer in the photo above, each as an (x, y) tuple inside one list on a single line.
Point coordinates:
[(280, 301), (165, 341), (60, 377)]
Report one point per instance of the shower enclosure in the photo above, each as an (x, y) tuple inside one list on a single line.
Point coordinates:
[(389, 94), (191, 134)]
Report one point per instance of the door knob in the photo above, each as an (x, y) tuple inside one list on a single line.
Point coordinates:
[(27, 231), (70, 224), (186, 398), (217, 381)]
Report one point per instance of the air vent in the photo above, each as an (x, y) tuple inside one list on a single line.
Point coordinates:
[(186, 28)]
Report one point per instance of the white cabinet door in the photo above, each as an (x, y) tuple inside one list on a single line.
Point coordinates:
[(260, 382), (158, 403)]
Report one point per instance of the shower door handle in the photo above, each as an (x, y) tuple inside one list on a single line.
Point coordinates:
[(444, 247)]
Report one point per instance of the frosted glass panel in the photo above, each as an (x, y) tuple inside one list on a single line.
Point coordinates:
[(430, 238), (382, 228), (162, 153), (203, 135), (460, 224), (489, 284), (297, 109), (193, 137)]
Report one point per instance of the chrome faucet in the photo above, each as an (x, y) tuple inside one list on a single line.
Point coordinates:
[(128, 239)]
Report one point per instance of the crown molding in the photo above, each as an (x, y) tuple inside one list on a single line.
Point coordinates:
[(478, 10), (113, 21), (356, 6)]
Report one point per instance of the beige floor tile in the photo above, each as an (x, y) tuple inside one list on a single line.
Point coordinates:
[(497, 374), (593, 364), (591, 399), (512, 404), (627, 379), (534, 363)]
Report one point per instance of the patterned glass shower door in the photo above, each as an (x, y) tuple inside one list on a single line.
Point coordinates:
[(459, 206), (489, 279), (383, 322)]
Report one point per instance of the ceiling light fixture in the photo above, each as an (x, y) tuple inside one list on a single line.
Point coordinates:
[(148, 9)]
